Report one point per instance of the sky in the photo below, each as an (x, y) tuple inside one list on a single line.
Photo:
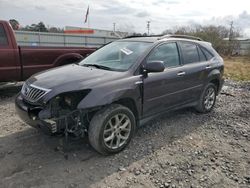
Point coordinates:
[(129, 15)]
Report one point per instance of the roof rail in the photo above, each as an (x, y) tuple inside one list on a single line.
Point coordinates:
[(180, 36), (137, 36)]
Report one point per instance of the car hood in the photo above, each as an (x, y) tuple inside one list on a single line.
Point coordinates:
[(72, 77)]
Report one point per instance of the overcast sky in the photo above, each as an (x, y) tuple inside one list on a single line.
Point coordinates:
[(129, 15)]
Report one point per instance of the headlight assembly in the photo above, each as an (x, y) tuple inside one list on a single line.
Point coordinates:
[(68, 101)]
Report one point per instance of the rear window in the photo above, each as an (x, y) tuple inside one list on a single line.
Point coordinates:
[(189, 52), (3, 36), (207, 53), (201, 55)]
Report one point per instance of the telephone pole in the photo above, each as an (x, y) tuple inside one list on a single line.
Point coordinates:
[(231, 31), (148, 26), (114, 26)]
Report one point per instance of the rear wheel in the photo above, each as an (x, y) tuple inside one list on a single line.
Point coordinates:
[(111, 129), (207, 99)]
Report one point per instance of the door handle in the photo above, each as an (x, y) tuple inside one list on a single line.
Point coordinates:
[(181, 73), (208, 67), (138, 82)]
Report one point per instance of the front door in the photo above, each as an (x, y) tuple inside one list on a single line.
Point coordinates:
[(164, 90), (9, 62)]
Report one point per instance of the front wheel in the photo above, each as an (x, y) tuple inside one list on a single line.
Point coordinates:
[(207, 99), (111, 129)]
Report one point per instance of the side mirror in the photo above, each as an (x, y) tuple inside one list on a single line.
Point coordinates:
[(154, 66)]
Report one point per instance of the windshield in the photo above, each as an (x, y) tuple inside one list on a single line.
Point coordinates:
[(118, 56)]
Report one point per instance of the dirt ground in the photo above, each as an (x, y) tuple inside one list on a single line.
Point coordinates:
[(179, 149)]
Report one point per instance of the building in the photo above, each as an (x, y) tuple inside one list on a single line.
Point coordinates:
[(94, 32), (243, 47)]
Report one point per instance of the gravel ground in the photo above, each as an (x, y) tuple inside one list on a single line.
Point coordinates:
[(179, 149)]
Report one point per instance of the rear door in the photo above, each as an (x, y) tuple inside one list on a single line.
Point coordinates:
[(196, 67), (9, 59), (164, 90)]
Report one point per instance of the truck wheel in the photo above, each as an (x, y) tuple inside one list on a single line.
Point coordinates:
[(111, 129), (207, 99)]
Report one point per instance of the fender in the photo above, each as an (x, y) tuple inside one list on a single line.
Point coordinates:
[(102, 97), (59, 60), (214, 74)]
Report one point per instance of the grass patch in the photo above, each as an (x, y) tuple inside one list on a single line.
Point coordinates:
[(237, 68)]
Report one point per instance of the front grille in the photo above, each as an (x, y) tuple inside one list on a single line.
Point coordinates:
[(33, 93)]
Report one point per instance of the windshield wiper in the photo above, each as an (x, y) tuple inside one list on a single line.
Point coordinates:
[(97, 66)]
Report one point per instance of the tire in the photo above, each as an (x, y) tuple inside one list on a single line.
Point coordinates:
[(111, 129), (202, 106)]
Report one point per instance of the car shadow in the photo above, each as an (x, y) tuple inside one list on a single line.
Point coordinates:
[(29, 158), (10, 90)]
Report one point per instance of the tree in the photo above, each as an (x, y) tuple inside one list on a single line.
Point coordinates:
[(213, 34), (233, 44), (55, 30), (36, 27), (14, 24), (41, 27)]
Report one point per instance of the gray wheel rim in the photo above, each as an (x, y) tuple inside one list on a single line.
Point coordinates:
[(209, 98), (117, 131)]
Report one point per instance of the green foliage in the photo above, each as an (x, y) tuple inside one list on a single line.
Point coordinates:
[(14, 24), (36, 27), (40, 27)]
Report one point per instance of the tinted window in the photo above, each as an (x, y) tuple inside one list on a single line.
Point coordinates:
[(207, 53), (168, 53), (3, 36), (189, 52), (201, 55)]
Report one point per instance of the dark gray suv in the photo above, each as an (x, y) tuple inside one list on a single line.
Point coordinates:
[(107, 94)]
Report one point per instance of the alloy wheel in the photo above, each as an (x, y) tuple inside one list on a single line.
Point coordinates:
[(117, 131), (209, 98)]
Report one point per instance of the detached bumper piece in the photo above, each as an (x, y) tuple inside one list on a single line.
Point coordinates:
[(71, 123)]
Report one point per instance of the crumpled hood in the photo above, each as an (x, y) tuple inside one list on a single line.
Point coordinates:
[(72, 77)]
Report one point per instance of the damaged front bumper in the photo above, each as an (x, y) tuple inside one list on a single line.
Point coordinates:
[(70, 123)]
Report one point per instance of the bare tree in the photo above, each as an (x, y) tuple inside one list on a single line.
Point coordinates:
[(215, 34)]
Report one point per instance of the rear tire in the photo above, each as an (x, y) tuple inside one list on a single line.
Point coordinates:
[(111, 129), (207, 99)]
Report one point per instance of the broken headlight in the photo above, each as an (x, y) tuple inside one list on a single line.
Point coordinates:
[(66, 102)]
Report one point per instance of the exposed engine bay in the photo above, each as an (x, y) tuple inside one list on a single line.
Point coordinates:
[(61, 115)]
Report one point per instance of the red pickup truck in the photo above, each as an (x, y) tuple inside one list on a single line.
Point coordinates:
[(18, 63)]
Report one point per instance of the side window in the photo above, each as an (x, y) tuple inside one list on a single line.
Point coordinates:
[(168, 53), (3, 36), (189, 52), (207, 53), (201, 55)]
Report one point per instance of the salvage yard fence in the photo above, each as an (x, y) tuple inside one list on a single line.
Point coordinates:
[(29, 38)]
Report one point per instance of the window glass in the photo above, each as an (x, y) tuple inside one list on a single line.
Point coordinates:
[(201, 55), (189, 52), (207, 54), (118, 55), (3, 36), (168, 53)]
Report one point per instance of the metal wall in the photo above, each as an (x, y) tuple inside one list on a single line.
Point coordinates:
[(28, 38), (244, 47)]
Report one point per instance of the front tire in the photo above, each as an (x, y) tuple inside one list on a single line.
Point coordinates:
[(111, 129), (207, 99)]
